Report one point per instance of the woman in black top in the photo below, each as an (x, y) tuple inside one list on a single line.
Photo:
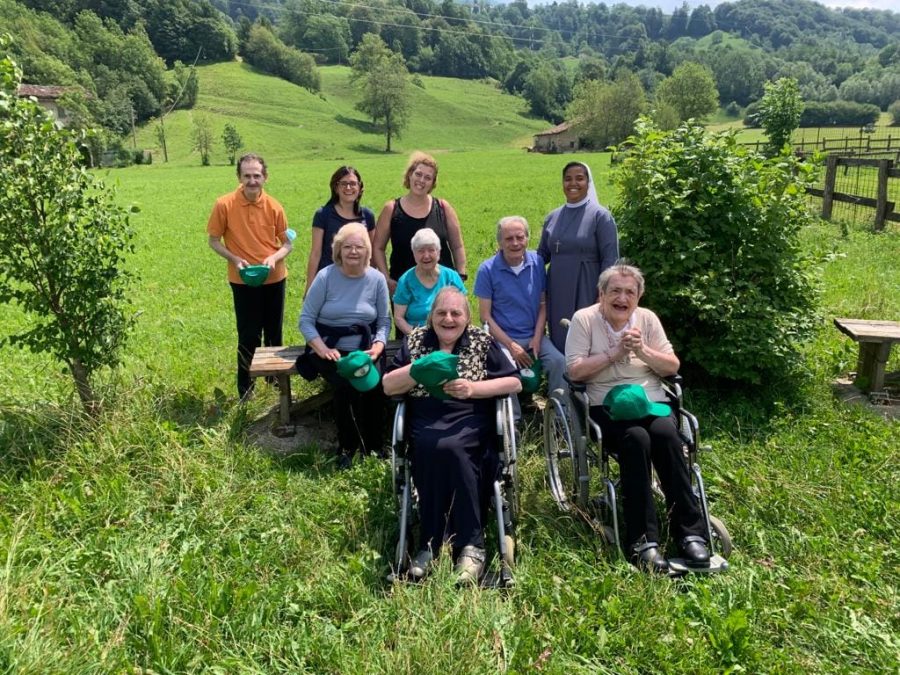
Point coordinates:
[(342, 208), (401, 218)]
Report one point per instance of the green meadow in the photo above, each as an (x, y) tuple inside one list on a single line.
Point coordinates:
[(163, 538)]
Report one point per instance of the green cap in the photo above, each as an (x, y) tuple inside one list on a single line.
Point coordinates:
[(359, 369), (630, 402), (433, 370), (531, 376), (254, 275)]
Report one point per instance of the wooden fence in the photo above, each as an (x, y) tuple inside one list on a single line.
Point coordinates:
[(884, 209)]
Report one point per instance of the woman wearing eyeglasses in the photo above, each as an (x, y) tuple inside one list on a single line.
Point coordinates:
[(401, 218), (346, 310), (343, 207)]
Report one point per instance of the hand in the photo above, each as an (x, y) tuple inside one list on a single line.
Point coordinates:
[(376, 351), (392, 286), (633, 341), (329, 354), (270, 262), (459, 388), (240, 263), (534, 345), (520, 355)]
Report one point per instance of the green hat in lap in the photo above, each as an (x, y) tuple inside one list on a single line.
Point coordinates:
[(630, 402), (531, 376), (433, 370), (359, 369), (254, 275)]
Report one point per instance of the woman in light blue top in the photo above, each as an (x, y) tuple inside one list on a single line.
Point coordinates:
[(417, 287)]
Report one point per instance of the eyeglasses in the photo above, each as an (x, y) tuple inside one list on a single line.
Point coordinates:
[(352, 247), (345, 184)]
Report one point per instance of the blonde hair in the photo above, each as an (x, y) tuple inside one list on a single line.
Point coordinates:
[(415, 159), (346, 231)]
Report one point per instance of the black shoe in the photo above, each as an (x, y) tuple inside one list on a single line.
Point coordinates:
[(647, 557), (694, 551)]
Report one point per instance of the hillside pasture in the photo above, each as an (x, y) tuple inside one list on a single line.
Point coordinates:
[(164, 538)]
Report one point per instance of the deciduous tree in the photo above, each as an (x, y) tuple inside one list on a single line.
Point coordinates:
[(604, 113), (691, 91), (779, 112), (382, 79), (232, 141), (202, 137), (63, 243)]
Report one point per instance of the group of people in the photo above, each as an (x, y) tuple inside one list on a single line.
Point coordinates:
[(353, 292)]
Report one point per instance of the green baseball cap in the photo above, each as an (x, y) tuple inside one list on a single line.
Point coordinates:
[(254, 275), (359, 369), (630, 402), (433, 370), (531, 376)]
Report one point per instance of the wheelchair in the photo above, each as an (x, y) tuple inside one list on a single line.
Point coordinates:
[(582, 481), (503, 500)]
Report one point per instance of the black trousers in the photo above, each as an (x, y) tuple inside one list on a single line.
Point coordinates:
[(358, 415), (259, 312), (639, 443)]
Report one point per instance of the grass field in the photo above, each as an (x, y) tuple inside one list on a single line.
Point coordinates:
[(163, 540)]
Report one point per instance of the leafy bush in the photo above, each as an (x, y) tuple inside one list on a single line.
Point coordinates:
[(733, 109), (779, 112), (839, 114), (716, 232), (265, 51), (894, 111)]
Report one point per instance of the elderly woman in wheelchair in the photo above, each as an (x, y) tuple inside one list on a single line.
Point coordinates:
[(451, 422), (620, 352)]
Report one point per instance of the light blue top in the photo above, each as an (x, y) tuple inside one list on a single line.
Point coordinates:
[(418, 298), (336, 299), (515, 298)]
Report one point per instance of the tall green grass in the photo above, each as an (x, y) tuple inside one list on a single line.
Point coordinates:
[(163, 538)]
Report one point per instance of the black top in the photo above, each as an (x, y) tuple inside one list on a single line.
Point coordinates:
[(404, 226)]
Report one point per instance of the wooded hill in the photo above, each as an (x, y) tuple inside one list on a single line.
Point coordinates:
[(120, 61)]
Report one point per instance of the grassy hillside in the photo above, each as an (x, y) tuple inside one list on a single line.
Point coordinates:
[(283, 121), (164, 539)]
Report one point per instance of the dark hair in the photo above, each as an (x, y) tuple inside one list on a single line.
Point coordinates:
[(336, 178), (571, 164), (252, 157)]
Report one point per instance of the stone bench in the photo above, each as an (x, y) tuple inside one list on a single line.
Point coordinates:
[(875, 340)]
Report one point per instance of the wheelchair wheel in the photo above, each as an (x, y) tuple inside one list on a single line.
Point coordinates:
[(722, 543), (562, 455)]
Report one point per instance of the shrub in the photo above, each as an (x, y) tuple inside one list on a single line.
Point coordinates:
[(894, 112), (733, 109), (779, 112), (716, 231), (838, 114)]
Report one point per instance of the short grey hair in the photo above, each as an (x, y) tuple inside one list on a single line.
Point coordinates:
[(424, 238), (509, 220), (622, 269), (448, 290)]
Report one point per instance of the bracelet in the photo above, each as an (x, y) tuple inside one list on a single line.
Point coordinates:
[(463, 276)]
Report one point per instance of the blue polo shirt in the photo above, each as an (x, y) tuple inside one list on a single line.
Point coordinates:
[(515, 298)]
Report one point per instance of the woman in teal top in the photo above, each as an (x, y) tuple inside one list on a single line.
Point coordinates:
[(417, 287)]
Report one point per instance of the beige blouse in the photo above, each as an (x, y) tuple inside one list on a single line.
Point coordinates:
[(588, 336)]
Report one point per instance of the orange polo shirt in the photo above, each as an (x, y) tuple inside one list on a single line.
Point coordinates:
[(251, 230)]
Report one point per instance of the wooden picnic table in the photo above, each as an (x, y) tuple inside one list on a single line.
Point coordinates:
[(875, 340)]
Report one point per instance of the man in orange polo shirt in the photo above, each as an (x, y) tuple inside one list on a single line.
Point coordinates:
[(248, 227)]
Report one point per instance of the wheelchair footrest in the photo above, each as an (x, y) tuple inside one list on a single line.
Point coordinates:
[(679, 567)]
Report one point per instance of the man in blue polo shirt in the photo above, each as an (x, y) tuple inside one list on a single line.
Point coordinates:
[(510, 287)]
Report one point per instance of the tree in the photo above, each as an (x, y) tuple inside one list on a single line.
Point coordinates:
[(63, 243), (691, 91), (779, 112), (718, 234), (604, 113), (548, 89), (381, 77), (202, 137), (232, 141)]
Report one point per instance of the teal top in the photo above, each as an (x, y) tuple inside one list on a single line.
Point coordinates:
[(418, 298)]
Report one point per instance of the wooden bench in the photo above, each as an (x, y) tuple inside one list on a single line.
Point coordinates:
[(281, 363), (875, 339)]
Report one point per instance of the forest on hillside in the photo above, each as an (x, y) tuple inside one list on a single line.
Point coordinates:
[(132, 59)]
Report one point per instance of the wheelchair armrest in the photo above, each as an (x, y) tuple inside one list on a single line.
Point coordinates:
[(574, 385)]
